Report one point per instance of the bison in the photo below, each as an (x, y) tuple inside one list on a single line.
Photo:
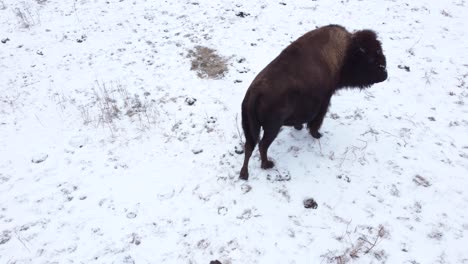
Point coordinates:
[(296, 87)]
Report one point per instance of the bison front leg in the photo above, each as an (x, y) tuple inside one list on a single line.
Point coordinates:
[(269, 134), (248, 149), (316, 123)]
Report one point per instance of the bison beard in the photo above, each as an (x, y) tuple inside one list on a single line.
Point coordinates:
[(296, 87)]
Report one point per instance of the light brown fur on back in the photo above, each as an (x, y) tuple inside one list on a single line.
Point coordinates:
[(334, 50)]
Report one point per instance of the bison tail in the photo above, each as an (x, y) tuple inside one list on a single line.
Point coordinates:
[(250, 123)]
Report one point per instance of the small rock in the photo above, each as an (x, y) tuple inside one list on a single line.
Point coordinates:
[(242, 14), (197, 151), (241, 60), (237, 81), (404, 67), (431, 118), (78, 141), (5, 40), (215, 262), (310, 203), (41, 157), (245, 70), (39, 52), (211, 120), (282, 3), (344, 177), (190, 100)]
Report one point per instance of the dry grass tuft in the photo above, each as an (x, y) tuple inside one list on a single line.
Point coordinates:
[(207, 63)]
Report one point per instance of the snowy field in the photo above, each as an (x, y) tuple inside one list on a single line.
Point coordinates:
[(120, 136)]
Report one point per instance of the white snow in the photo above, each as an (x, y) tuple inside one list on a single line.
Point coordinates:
[(134, 174)]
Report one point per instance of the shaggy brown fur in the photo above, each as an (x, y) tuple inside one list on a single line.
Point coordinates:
[(296, 87)]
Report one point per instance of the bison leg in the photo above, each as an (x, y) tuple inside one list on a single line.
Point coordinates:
[(314, 127), (315, 134), (315, 124), (248, 149), (269, 134)]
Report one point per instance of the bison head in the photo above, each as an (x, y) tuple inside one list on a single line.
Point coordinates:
[(365, 63)]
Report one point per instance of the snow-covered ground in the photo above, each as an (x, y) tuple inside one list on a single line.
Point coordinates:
[(112, 150)]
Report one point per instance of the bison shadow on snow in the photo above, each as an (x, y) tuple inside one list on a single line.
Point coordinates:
[(296, 87)]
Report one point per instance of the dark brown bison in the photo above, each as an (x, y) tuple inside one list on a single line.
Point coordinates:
[(296, 87)]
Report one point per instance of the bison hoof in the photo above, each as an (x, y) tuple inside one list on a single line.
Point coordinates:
[(316, 134), (244, 175), (268, 164), (298, 127)]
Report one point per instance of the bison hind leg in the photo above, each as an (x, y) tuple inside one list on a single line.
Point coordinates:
[(269, 134), (250, 142)]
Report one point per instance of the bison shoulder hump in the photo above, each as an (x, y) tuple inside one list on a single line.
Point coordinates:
[(334, 50)]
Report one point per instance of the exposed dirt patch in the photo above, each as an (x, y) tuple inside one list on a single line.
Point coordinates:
[(207, 63)]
